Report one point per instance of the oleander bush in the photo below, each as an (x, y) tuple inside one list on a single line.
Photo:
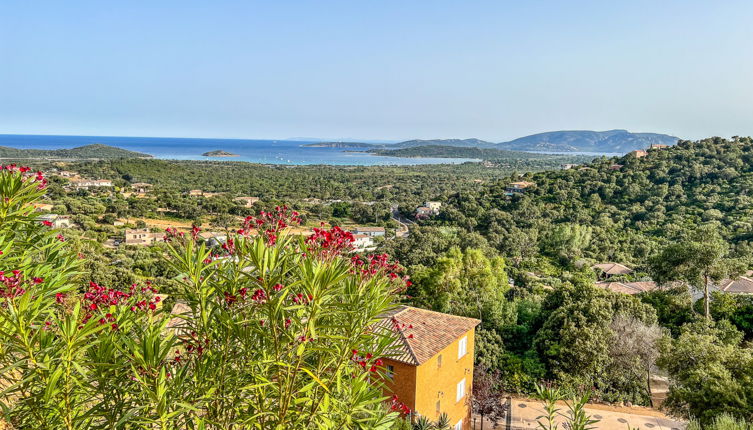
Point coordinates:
[(274, 332)]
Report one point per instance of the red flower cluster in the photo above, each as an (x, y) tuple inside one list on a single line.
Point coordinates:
[(332, 242), (300, 299), (397, 406), (229, 246), (270, 223), (99, 298), (27, 174), (11, 285), (367, 361), (194, 347), (373, 265), (172, 233)]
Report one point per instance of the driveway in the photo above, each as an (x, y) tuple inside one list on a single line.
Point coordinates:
[(523, 413)]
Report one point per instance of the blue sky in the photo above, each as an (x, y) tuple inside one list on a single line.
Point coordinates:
[(375, 69)]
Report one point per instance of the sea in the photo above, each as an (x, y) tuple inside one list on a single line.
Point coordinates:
[(285, 152)]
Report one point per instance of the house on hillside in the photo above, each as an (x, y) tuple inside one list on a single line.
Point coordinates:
[(85, 184), (741, 285), (43, 207), (141, 187), (638, 153), (434, 207), (658, 146), (423, 212), (362, 242), (518, 187), (607, 270), (195, 193), (246, 202), (615, 167), (213, 238), (58, 221), (141, 236), (431, 369), (568, 166), (627, 287), (370, 231)]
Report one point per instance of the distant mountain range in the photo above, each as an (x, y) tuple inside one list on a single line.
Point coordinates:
[(621, 141), (611, 141), (94, 151)]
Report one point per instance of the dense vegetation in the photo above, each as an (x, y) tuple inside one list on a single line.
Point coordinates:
[(440, 151), (521, 262), (680, 214), (94, 151)]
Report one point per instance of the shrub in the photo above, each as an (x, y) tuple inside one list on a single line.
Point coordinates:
[(275, 332)]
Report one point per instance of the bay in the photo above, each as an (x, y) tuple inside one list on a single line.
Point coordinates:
[(286, 152)]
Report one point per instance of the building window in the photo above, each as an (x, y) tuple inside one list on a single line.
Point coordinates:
[(439, 409), (460, 390), (459, 425), (439, 361), (390, 371), (462, 347)]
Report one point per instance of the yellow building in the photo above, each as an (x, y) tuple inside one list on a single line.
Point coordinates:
[(432, 369)]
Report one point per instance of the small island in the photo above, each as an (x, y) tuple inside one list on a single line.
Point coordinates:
[(219, 153)]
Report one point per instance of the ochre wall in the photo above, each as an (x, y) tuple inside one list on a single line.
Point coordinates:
[(403, 384), (440, 383), (421, 387)]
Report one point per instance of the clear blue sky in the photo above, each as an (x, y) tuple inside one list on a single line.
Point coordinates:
[(375, 69)]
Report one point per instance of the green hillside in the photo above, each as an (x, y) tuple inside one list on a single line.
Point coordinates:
[(629, 205), (94, 151)]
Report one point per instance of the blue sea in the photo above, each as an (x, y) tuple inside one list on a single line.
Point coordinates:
[(254, 151)]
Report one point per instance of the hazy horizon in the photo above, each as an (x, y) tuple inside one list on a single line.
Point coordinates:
[(389, 71)]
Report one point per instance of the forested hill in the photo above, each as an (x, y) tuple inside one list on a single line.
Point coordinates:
[(615, 141), (94, 151), (619, 209), (441, 151)]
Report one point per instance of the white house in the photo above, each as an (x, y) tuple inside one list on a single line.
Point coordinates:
[(370, 231)]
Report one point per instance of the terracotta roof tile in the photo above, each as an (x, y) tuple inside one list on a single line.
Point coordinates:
[(613, 268), (422, 333), (627, 287), (742, 285)]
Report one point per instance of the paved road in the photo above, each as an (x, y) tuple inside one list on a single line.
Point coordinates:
[(523, 414), (403, 230)]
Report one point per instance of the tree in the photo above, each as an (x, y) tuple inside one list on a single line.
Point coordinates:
[(575, 338), (223, 220), (634, 349), (486, 400), (699, 260), (710, 372), (567, 241), (466, 283)]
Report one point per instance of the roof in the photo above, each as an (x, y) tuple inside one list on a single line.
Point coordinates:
[(742, 285), (627, 287), (521, 184), (369, 228), (613, 268), (422, 334)]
